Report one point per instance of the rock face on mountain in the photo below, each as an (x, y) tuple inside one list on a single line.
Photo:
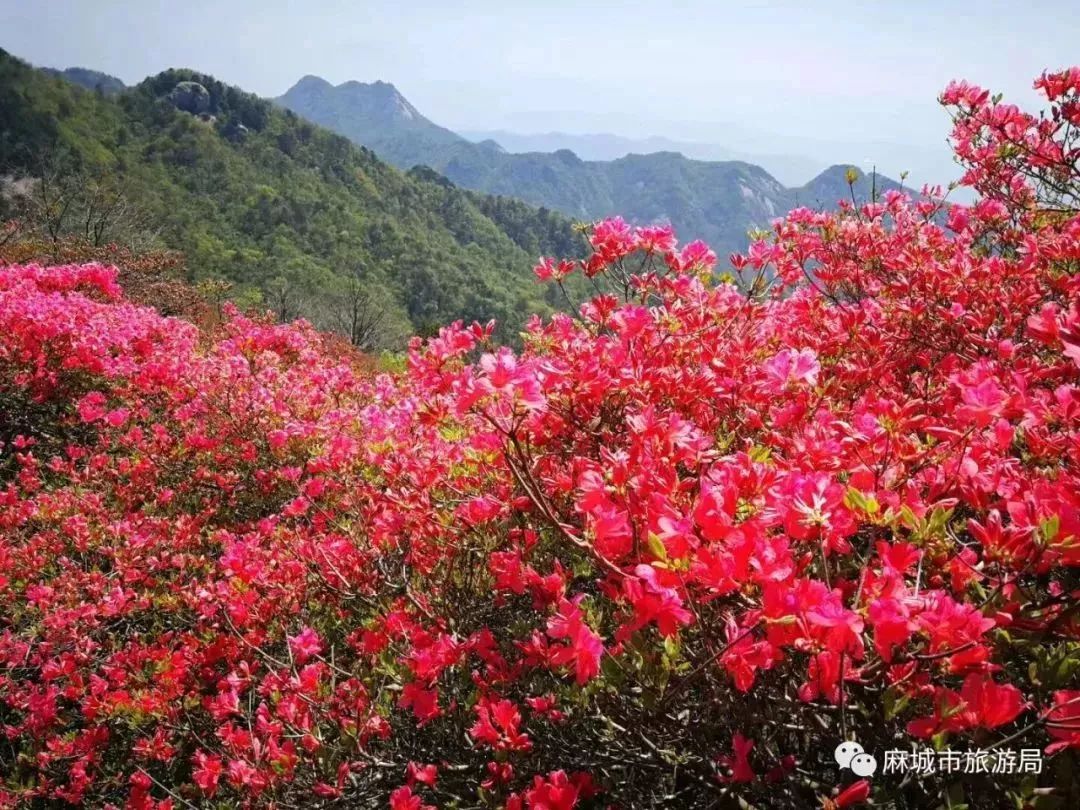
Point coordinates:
[(191, 97), (718, 201)]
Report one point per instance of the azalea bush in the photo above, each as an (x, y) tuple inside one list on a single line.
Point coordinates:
[(671, 553), (148, 276)]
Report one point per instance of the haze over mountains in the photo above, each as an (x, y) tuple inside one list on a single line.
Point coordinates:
[(718, 201), (791, 170), (705, 190)]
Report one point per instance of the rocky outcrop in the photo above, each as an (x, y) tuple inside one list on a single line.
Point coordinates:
[(190, 97)]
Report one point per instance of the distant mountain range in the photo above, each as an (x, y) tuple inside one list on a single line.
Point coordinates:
[(718, 201), (791, 170), (715, 200)]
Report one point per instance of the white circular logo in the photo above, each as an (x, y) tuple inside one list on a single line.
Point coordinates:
[(845, 752), (863, 764)]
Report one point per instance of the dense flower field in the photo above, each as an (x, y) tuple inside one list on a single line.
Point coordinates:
[(672, 552)]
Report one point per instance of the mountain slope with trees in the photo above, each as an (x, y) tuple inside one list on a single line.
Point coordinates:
[(90, 79), (718, 201), (296, 217)]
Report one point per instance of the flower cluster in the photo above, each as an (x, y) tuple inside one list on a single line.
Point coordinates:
[(675, 549)]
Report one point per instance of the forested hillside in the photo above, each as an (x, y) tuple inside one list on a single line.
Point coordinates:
[(718, 201), (90, 79), (296, 217)]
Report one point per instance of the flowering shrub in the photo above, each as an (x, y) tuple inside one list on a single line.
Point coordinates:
[(672, 552), (147, 276)]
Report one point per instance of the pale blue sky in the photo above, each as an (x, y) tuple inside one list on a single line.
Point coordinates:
[(831, 79)]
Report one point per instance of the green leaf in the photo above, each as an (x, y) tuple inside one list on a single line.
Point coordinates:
[(908, 518), (857, 500), (895, 702), (1050, 527), (760, 453), (656, 546)]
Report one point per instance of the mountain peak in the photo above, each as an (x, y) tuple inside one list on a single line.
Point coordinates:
[(310, 84), (832, 185), (369, 113), (382, 96), (713, 200), (839, 170)]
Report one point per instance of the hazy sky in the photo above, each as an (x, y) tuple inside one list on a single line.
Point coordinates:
[(819, 78)]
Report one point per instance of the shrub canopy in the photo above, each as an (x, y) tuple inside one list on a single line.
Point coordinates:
[(673, 551)]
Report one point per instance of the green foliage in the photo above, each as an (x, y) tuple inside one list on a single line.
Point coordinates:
[(90, 79), (283, 208), (717, 201)]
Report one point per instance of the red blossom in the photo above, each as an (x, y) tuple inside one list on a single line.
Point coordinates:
[(853, 794), (583, 648), (856, 482), (738, 762), (305, 644), (980, 703), (1063, 721)]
